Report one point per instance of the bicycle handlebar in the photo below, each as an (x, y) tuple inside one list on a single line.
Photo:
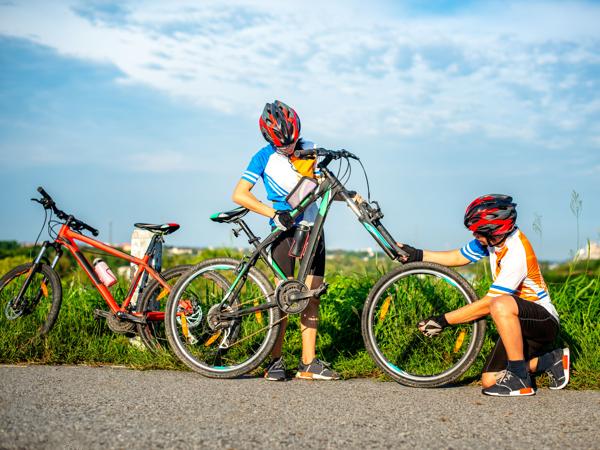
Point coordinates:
[(49, 203), (331, 154)]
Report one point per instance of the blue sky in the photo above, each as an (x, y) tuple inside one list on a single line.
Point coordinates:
[(101, 102)]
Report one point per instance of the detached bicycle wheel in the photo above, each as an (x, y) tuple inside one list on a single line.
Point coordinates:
[(217, 333), (395, 305), (32, 313), (152, 305)]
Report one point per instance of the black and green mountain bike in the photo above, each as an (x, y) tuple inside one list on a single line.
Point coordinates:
[(223, 317)]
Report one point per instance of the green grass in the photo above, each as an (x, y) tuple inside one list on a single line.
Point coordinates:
[(79, 338)]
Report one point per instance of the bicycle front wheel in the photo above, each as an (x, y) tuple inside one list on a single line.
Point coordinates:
[(32, 313), (218, 333), (152, 307), (402, 298)]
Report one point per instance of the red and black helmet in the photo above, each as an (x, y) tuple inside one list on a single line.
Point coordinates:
[(279, 124), (491, 215)]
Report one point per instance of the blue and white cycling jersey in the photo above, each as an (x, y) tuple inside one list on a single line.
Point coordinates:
[(281, 173)]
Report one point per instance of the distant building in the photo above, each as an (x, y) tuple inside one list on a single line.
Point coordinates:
[(180, 250), (589, 252)]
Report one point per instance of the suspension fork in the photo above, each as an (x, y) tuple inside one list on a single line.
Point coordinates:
[(35, 267)]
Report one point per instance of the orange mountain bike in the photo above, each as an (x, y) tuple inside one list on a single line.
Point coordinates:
[(31, 294)]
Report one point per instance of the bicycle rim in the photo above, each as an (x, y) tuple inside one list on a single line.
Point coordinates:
[(152, 305), (400, 349), (36, 311), (216, 346)]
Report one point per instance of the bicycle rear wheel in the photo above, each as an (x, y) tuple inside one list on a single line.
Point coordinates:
[(152, 306), (32, 314), (397, 302), (222, 346)]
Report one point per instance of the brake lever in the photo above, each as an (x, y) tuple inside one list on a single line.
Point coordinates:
[(347, 154)]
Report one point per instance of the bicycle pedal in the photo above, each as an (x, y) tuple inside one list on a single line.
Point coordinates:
[(321, 290)]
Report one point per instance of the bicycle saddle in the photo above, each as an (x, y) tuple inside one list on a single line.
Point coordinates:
[(165, 228), (229, 216)]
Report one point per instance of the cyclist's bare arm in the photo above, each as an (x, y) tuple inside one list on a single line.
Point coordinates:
[(242, 196), (470, 312), (450, 258)]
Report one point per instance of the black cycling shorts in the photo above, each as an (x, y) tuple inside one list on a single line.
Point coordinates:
[(280, 252), (539, 329)]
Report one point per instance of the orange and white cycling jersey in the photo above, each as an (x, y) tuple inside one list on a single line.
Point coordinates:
[(515, 269)]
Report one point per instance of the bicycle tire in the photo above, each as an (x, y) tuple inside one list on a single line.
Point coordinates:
[(152, 333), (43, 297), (203, 287), (391, 336)]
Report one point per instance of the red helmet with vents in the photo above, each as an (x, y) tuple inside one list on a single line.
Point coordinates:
[(491, 215), (279, 124)]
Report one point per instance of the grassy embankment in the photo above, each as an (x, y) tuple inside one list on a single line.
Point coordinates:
[(79, 338)]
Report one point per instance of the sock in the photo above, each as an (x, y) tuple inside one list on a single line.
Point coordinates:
[(519, 368), (545, 362)]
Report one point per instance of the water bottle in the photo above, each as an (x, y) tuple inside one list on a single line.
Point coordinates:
[(300, 240), (107, 278)]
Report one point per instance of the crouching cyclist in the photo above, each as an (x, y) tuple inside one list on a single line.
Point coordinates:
[(518, 300)]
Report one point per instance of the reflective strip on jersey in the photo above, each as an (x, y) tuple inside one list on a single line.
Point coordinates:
[(474, 251)]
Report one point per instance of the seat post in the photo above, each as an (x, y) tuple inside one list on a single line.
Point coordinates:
[(252, 238)]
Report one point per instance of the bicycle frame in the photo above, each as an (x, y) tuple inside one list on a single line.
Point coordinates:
[(68, 238), (329, 189)]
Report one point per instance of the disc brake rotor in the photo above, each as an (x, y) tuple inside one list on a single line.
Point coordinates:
[(10, 313), (193, 313)]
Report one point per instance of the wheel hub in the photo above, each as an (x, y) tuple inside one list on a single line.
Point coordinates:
[(214, 319)]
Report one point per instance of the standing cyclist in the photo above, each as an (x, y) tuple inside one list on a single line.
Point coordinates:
[(518, 300), (280, 172)]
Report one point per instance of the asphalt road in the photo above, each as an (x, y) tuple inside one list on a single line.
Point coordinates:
[(86, 407)]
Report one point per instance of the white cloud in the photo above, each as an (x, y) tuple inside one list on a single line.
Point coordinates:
[(492, 70)]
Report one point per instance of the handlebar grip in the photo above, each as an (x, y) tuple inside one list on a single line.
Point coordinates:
[(44, 193), (305, 153)]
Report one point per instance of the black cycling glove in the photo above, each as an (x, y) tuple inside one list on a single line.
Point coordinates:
[(283, 220), (432, 326), (414, 254)]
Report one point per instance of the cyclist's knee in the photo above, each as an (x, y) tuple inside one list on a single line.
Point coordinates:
[(503, 305), (314, 281)]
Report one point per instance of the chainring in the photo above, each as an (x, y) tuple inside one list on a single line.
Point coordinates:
[(282, 295), (117, 325)]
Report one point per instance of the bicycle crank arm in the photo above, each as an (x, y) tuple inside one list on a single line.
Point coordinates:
[(318, 292), (121, 315)]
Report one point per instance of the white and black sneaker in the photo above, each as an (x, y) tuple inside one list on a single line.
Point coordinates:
[(276, 370), (316, 370), (558, 373), (510, 385)]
